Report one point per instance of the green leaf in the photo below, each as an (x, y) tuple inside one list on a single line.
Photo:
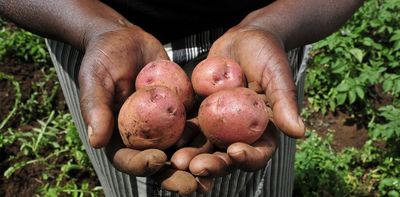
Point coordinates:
[(352, 96), (387, 85), (343, 87), (338, 69), (396, 45), (360, 92), (396, 36), (393, 193), (358, 54), (367, 41), (341, 98), (10, 171)]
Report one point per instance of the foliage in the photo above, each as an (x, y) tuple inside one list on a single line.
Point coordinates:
[(17, 101), (389, 126), (55, 138), (357, 69), (350, 66), (22, 45), (51, 142), (320, 171), (40, 101)]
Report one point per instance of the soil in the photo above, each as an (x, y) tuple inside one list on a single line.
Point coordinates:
[(26, 181), (347, 131), (26, 74)]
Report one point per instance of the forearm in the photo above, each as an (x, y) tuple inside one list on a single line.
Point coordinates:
[(71, 21), (303, 21)]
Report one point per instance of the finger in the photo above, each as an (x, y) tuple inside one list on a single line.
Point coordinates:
[(178, 181), (284, 107), (182, 157), (254, 157), (210, 165), (135, 162), (204, 184), (96, 98), (139, 163)]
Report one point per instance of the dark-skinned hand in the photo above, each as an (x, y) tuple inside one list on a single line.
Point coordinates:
[(263, 58), (107, 76)]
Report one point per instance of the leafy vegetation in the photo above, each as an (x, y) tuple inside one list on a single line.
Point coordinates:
[(369, 171), (357, 71), (353, 65), (44, 134), (20, 44)]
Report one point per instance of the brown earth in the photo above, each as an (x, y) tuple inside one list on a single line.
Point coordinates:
[(26, 181), (347, 131), (26, 74)]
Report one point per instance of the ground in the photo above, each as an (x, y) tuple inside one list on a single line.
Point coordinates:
[(26, 181), (347, 132)]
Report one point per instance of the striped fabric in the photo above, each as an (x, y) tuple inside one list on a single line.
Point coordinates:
[(276, 179)]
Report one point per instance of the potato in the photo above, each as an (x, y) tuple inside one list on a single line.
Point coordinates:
[(233, 115), (217, 73), (169, 74), (152, 117)]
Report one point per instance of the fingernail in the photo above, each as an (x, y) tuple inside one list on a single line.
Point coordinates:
[(202, 173), (239, 156), (153, 167), (90, 131), (90, 134)]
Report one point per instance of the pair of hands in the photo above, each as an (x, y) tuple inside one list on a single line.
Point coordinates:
[(110, 65)]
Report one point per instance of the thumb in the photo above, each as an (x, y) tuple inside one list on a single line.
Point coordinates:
[(280, 90), (96, 98)]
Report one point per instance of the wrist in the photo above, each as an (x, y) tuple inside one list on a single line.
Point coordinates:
[(260, 20), (267, 31), (101, 26)]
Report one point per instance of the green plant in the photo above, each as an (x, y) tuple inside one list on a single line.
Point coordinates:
[(389, 126), (15, 42), (320, 170), (46, 137), (17, 101), (349, 66), (369, 171), (55, 138), (40, 101)]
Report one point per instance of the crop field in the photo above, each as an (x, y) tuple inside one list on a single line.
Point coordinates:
[(352, 113)]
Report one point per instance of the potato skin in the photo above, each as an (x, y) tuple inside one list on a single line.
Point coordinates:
[(233, 115), (169, 74), (152, 117), (217, 73)]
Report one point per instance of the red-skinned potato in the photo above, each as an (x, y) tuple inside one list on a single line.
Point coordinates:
[(233, 115), (217, 73), (169, 74), (152, 117)]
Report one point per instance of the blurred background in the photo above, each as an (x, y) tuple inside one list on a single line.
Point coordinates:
[(352, 113)]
